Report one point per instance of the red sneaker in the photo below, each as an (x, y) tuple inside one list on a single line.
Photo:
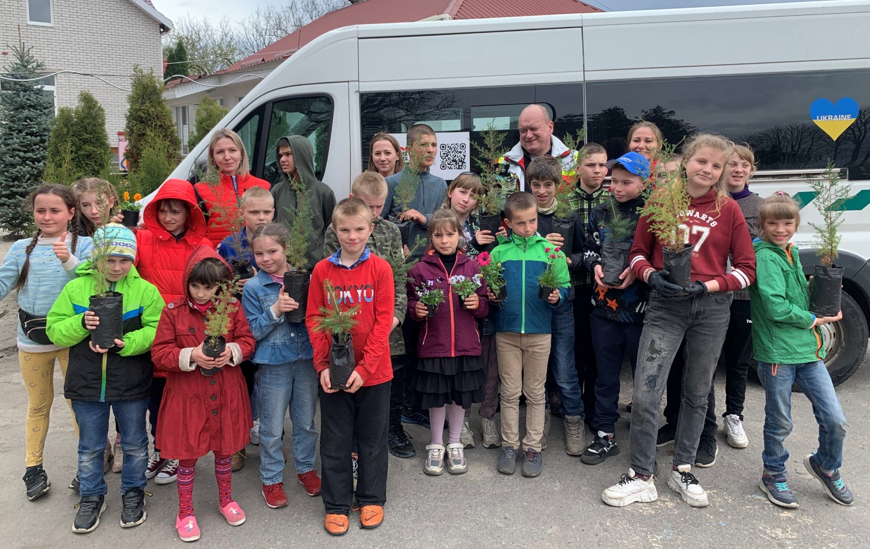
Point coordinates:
[(310, 482), (274, 495)]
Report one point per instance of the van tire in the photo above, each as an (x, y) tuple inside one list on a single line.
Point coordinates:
[(848, 349)]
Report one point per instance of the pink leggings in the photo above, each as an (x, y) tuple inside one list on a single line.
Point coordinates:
[(456, 423)]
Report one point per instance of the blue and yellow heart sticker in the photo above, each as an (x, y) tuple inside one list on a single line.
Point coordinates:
[(834, 119)]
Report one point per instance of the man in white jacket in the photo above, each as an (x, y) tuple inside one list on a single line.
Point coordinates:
[(535, 128)]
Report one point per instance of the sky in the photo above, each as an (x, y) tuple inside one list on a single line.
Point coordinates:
[(240, 9)]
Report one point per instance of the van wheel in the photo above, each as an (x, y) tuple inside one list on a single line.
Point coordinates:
[(845, 343)]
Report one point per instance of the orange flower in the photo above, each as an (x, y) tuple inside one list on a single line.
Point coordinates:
[(126, 195), (137, 196)]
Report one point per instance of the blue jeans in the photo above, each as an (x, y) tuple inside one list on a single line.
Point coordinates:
[(816, 384), (292, 385), (562, 360), (93, 420), (702, 321)]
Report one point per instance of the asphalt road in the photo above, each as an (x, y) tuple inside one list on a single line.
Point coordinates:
[(482, 508)]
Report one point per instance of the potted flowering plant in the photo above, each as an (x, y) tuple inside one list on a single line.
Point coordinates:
[(548, 279), (338, 324), (825, 287), (431, 297), (297, 280), (217, 324), (492, 272), (130, 209), (464, 286)]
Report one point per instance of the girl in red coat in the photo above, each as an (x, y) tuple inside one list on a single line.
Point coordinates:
[(450, 374), (173, 227), (202, 413), (221, 200)]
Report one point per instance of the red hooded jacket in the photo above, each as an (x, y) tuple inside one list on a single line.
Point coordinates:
[(218, 228), (200, 414)]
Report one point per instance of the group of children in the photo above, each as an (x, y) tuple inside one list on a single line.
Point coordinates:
[(482, 348)]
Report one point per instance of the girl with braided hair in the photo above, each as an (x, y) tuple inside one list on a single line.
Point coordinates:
[(38, 268)]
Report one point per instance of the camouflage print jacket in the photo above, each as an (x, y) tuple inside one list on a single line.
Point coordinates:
[(384, 240)]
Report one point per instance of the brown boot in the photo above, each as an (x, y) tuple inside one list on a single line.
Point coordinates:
[(238, 460)]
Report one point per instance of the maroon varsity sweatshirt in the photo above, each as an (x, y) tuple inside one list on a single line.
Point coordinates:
[(714, 234)]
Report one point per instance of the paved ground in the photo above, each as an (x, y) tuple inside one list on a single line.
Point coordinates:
[(482, 508)]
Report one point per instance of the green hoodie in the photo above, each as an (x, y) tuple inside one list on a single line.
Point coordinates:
[(125, 374), (321, 197), (781, 321)]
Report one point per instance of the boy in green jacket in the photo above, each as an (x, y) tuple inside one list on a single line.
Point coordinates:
[(788, 348), (119, 377)]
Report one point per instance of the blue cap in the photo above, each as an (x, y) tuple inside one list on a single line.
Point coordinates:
[(633, 162)]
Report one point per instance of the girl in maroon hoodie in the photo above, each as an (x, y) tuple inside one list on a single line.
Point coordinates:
[(714, 225), (450, 374)]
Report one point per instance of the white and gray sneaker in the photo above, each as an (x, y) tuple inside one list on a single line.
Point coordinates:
[(434, 461), (456, 463), (630, 489), (490, 435), (467, 436), (733, 430), (683, 482), (254, 432)]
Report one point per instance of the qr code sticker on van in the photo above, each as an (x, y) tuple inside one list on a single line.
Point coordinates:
[(453, 156)]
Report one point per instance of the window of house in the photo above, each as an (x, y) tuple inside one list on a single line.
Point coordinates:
[(39, 12), (307, 116), (182, 127)]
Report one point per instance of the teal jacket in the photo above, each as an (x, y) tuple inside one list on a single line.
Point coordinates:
[(523, 260), (125, 374), (782, 331)]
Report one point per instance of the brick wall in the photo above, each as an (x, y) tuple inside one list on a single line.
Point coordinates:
[(103, 37)]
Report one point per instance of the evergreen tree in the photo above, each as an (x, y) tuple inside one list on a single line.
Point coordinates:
[(149, 115), (26, 111), (177, 60), (209, 113), (59, 164), (90, 145)]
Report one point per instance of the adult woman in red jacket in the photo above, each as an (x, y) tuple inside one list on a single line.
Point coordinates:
[(221, 200), (173, 227)]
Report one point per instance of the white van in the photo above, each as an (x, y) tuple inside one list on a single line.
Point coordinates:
[(751, 73)]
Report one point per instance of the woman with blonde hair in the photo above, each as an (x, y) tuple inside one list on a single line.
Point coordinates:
[(227, 155)]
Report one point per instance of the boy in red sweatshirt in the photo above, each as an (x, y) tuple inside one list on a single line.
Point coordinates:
[(360, 411)]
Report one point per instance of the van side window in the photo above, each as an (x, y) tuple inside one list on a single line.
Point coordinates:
[(306, 116), (249, 133), (770, 112)]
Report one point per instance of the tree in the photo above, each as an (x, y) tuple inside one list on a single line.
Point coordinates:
[(90, 145), (177, 60), (149, 117), (26, 111), (210, 47), (271, 23), (59, 165), (209, 113), (674, 129)]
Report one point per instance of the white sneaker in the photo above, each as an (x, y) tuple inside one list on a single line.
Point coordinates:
[(733, 430), (630, 489), (168, 472), (254, 435), (456, 463), (467, 436), (683, 482), (434, 461)]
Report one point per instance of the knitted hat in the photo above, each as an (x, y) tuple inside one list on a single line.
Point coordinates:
[(118, 238), (633, 162)]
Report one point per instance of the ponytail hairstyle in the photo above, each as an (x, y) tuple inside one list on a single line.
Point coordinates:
[(70, 202), (719, 143), (103, 188), (276, 231)]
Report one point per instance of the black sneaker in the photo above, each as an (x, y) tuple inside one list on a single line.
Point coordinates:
[(36, 481), (506, 463), (666, 435), (599, 450), (415, 417), (88, 516), (74, 484), (707, 451), (133, 508), (833, 483), (399, 444), (532, 465)]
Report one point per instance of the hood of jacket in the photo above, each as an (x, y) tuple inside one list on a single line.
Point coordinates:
[(200, 253), (559, 150), (301, 148), (176, 189)]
